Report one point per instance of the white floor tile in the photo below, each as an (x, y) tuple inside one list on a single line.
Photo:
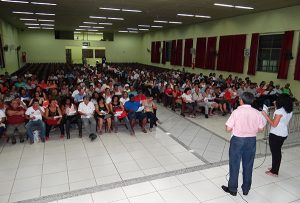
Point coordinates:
[(54, 189), (191, 177), (105, 170), (291, 185), (129, 166), (100, 160), (178, 195), (132, 174), (166, 183), (5, 187), (147, 198), (15, 197), (82, 184), (205, 190), (214, 172), (29, 171), (225, 199), (78, 164), (54, 179), (80, 175), (4, 198), (6, 175), (27, 184), (138, 189), (109, 195), (108, 179), (54, 168), (275, 193), (155, 170)]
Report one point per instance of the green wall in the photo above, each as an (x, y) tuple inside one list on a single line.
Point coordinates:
[(275, 21), (9, 36), (41, 47)]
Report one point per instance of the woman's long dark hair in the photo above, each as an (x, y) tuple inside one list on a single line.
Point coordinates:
[(284, 101)]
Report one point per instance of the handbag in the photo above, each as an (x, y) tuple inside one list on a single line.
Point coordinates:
[(121, 113)]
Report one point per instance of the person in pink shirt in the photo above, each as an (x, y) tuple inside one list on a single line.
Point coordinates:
[(244, 123)]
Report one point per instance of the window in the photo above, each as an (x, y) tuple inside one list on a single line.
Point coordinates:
[(87, 53), (99, 53), (168, 50), (269, 53)]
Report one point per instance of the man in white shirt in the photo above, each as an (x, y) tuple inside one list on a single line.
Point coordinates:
[(199, 100), (86, 109), (35, 116)]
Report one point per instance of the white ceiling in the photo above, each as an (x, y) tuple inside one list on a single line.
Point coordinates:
[(70, 14)]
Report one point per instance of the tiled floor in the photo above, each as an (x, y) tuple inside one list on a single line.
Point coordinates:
[(174, 163)]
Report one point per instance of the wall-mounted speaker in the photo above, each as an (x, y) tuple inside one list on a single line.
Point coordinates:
[(193, 51), (246, 52)]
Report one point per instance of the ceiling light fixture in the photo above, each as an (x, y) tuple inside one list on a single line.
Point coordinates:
[(99, 33), (122, 31), (77, 32), (28, 19), (21, 12), (98, 17), (110, 18), (44, 3), (133, 31), (79, 29), (144, 25), (157, 26), (45, 14), (92, 30), (32, 24), (132, 28), (13, 1), (98, 27), (244, 7), (130, 10), (175, 22), (47, 25), (34, 27), (84, 26), (48, 28), (92, 23), (42, 20), (224, 5), (185, 15), (200, 16), (105, 23), (110, 9), (160, 21), (144, 29)]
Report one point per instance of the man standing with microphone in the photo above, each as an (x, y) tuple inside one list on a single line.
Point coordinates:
[(243, 124)]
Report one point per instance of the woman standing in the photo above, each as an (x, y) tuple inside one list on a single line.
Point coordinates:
[(279, 130)]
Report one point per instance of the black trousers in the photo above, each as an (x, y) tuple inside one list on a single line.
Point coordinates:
[(73, 119), (276, 143)]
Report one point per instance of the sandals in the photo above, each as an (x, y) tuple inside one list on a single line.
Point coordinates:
[(269, 173)]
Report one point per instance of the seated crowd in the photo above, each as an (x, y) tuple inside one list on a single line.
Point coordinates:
[(101, 98)]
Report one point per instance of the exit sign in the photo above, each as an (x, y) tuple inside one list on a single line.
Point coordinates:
[(86, 44)]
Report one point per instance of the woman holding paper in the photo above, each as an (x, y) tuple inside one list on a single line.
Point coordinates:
[(279, 130), (102, 114), (53, 117)]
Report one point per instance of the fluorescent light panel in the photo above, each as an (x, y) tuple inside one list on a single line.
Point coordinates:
[(185, 15), (84, 26), (144, 29), (46, 14), (132, 28), (110, 9), (157, 26), (77, 32), (224, 5), (99, 33), (42, 20), (44, 3), (32, 24), (144, 25), (244, 7), (131, 10), (200, 16), (22, 12), (33, 27), (92, 30), (92, 23), (160, 21), (122, 31), (175, 22), (132, 31), (13, 1), (105, 23), (98, 17), (47, 25), (112, 18), (98, 27), (28, 19), (79, 29), (48, 28)]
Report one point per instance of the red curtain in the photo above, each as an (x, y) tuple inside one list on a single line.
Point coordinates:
[(253, 54), (286, 51), (173, 53), (152, 52), (187, 53), (179, 52), (231, 53), (297, 68), (200, 53), (157, 52), (210, 59), (163, 58)]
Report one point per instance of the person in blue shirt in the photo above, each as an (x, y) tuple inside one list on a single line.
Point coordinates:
[(133, 109)]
